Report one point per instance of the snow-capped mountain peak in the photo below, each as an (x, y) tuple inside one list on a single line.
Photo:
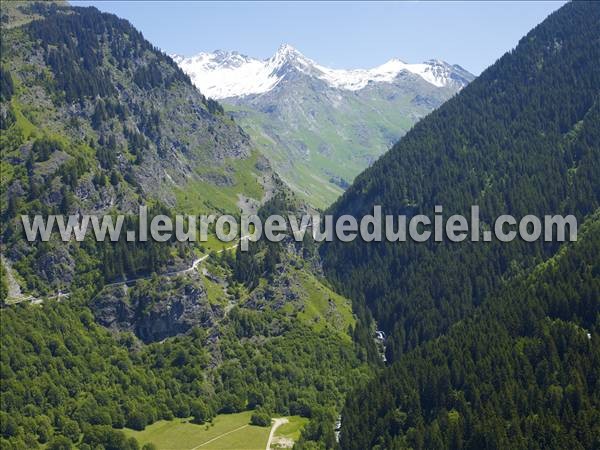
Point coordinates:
[(287, 52), (287, 55), (224, 74)]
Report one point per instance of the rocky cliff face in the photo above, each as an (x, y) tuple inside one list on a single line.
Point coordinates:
[(95, 119), (156, 309), (143, 115)]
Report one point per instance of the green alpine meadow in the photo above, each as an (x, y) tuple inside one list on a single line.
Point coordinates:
[(300, 338)]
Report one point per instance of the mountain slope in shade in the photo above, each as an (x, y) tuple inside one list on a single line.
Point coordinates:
[(321, 126), (521, 139), (492, 345), (520, 373)]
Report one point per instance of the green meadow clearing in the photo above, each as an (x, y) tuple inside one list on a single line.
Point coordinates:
[(227, 432), (289, 431)]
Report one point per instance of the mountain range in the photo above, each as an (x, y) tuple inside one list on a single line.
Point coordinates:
[(224, 74), (320, 126), (380, 345)]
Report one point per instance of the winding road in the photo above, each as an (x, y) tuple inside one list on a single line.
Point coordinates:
[(173, 273), (19, 297), (276, 424)]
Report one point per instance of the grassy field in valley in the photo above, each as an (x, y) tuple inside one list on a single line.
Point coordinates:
[(227, 432), (288, 432)]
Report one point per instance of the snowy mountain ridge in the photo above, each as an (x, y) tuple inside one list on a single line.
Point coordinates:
[(224, 74)]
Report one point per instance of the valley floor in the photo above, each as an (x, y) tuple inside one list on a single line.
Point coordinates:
[(226, 432)]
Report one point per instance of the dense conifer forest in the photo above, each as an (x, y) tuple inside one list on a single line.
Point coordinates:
[(492, 345), (522, 372), (521, 139)]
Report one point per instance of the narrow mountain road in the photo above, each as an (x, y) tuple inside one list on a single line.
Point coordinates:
[(36, 300), (173, 273), (15, 296), (276, 424), (18, 297)]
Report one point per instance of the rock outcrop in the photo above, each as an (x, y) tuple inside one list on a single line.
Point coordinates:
[(157, 308)]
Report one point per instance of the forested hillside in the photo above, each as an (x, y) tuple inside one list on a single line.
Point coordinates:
[(520, 139), (271, 336), (492, 345), (523, 372), (94, 119)]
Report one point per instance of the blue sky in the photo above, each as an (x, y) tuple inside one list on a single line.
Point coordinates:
[(338, 34)]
